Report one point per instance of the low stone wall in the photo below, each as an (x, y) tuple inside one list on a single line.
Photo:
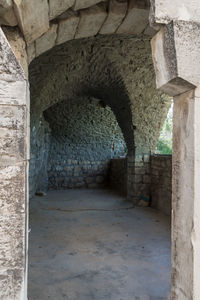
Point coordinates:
[(77, 174), (161, 182), (118, 175)]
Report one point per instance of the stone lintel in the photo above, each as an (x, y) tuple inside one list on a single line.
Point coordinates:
[(91, 21), (175, 50), (164, 11)]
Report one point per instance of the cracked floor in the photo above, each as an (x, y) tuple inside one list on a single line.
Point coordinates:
[(93, 245)]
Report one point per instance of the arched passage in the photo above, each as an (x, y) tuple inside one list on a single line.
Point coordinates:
[(176, 56), (69, 85), (119, 73)]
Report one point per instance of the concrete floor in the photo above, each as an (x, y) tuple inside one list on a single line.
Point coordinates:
[(92, 245)]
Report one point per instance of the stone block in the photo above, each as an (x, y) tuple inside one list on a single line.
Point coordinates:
[(163, 11), (12, 189), (67, 26), (13, 93), (81, 4), (10, 69), (175, 50), (46, 41), (7, 15), (91, 21), (18, 46), (12, 241), (136, 20), (57, 7), (116, 14), (12, 134), (33, 19), (12, 284)]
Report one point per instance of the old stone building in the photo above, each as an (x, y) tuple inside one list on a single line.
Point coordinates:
[(85, 86)]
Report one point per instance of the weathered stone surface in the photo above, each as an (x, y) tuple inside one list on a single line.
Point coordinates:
[(175, 50), (10, 69), (12, 232), (80, 4), (12, 134), (46, 41), (12, 284), (18, 46), (33, 18), (12, 189), (7, 15), (91, 21), (13, 93), (164, 11), (14, 106), (116, 14), (136, 19), (185, 198), (57, 7), (68, 23)]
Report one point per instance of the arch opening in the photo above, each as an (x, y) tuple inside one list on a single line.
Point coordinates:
[(95, 118)]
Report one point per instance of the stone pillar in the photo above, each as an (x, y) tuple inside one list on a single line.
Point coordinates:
[(186, 197), (14, 155), (176, 56), (138, 178)]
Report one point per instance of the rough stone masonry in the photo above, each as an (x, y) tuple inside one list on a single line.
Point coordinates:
[(31, 30)]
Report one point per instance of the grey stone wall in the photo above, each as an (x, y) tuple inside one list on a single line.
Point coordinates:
[(72, 145), (84, 137), (40, 145), (161, 183)]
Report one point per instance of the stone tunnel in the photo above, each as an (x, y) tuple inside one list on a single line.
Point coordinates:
[(85, 87), (99, 104)]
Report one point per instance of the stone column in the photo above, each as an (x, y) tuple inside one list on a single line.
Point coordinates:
[(14, 155), (186, 197), (176, 55)]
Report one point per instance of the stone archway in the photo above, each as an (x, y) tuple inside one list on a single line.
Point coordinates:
[(176, 57), (113, 71)]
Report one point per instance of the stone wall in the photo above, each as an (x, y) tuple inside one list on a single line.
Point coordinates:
[(118, 72), (72, 145), (161, 183)]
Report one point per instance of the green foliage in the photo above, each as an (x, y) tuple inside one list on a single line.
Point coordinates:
[(164, 148), (165, 140)]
